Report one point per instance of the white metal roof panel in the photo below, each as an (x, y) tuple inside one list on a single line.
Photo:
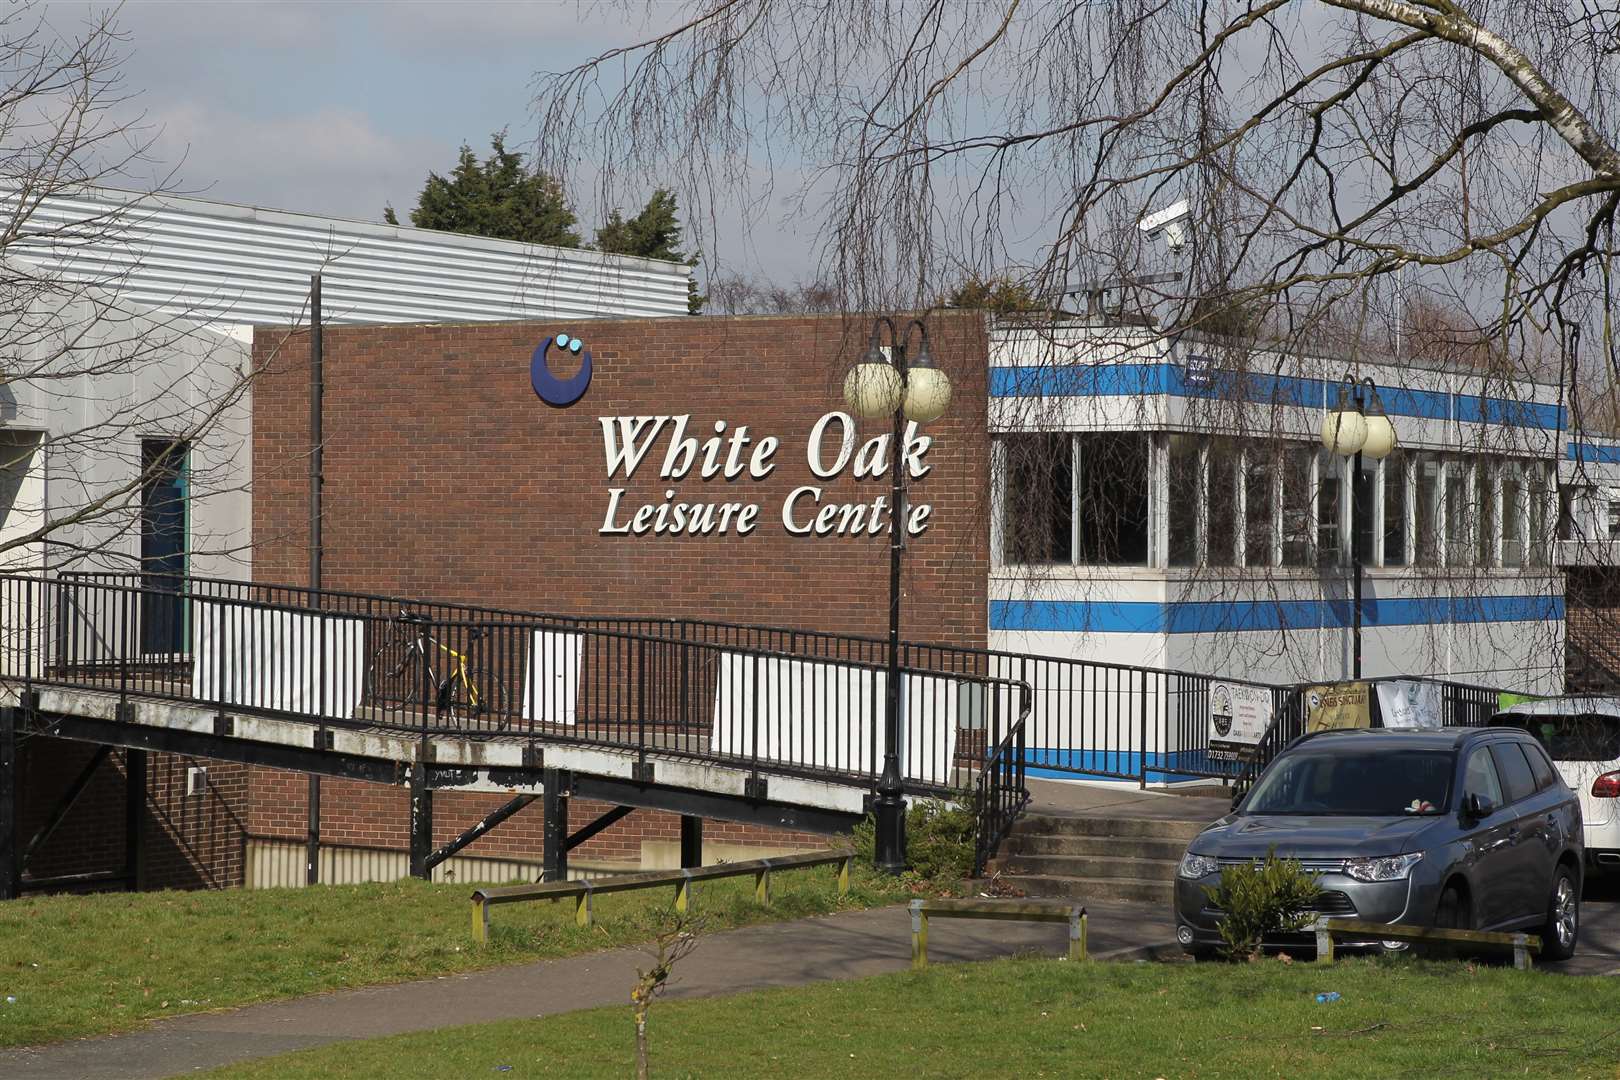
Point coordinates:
[(222, 263)]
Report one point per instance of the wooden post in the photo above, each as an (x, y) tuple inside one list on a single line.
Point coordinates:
[(480, 921), (762, 886), (1521, 952), (919, 935), (582, 908), (843, 876)]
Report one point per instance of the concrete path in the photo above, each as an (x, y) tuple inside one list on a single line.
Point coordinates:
[(848, 945), (1122, 800)]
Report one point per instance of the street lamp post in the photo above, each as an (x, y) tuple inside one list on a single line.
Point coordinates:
[(915, 390), (1350, 429)]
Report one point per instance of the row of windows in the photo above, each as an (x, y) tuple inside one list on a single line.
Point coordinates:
[(1114, 499)]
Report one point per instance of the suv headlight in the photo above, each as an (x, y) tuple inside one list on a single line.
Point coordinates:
[(1197, 866), (1385, 868)]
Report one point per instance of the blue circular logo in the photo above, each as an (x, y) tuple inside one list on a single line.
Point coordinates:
[(559, 393)]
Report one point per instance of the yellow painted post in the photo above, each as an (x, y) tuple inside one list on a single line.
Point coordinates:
[(762, 886), (683, 896), (582, 908), (919, 935), (843, 876), (1077, 933), (480, 920)]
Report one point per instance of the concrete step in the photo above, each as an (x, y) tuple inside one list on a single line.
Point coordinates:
[(1130, 847), (1102, 888), (1089, 867), (1067, 825)]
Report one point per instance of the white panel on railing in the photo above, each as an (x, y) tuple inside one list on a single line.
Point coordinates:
[(300, 662), (829, 716), (551, 692)]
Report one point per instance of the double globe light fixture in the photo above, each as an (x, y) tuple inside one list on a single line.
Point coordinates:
[(1358, 426), (879, 385), (918, 391)]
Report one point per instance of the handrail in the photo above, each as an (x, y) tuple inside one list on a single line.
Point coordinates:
[(583, 891)]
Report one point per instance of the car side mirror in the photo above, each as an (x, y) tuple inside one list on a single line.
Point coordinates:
[(1478, 807)]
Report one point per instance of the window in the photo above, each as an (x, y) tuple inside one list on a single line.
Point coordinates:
[(1342, 780), (1537, 496), (1614, 519), (1259, 521), (1540, 767), (1297, 517), (1480, 778), (1037, 500), (1113, 500), (1485, 517), (1428, 510), (1329, 488), (1183, 464), (1051, 476), (1571, 738), (1517, 778), (1395, 509), (1224, 456), (1513, 495), (1459, 513)]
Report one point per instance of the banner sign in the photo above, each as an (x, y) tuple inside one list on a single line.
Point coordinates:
[(1336, 705), (1239, 715), (1409, 703)]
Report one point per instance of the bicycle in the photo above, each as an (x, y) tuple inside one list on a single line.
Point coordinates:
[(402, 668)]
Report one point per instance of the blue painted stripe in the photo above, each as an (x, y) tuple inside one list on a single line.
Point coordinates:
[(1129, 380), (1601, 455), (1111, 764), (1226, 616)]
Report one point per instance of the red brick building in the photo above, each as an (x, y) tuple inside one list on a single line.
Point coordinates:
[(447, 478)]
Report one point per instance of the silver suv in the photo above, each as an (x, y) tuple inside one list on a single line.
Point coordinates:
[(1461, 827)]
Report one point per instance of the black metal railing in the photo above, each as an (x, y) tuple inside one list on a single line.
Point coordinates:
[(999, 795), (1089, 718), (354, 660)]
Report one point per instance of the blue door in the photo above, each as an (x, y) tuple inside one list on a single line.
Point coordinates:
[(163, 546)]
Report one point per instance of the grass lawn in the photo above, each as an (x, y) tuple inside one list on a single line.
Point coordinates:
[(83, 965), (1032, 1018)]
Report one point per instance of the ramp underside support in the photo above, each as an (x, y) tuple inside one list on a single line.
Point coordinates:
[(64, 806), (691, 841), (489, 821), (10, 857), (421, 824), (554, 856), (134, 817)]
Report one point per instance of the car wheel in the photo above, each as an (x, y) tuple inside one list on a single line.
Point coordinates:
[(1452, 912), (1563, 927)]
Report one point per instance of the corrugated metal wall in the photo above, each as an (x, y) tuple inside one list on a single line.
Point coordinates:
[(225, 264), (279, 864)]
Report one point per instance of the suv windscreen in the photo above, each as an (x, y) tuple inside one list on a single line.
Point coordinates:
[(1343, 780), (1570, 738)]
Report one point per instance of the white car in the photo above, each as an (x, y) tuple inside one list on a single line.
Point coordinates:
[(1582, 736)]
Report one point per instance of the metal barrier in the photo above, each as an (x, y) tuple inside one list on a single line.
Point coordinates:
[(1523, 945), (584, 891), (1028, 911)]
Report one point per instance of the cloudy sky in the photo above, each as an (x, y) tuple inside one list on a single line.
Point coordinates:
[(341, 107)]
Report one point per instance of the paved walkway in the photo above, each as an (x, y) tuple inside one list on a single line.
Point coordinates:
[(1117, 800), (848, 945)]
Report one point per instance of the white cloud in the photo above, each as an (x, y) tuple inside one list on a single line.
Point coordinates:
[(331, 161)]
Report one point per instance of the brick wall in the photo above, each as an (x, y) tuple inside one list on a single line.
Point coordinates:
[(447, 478)]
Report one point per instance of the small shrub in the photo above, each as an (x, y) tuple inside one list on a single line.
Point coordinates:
[(1268, 897), (939, 840)]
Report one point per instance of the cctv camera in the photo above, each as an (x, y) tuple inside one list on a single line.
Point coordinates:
[(1170, 223)]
